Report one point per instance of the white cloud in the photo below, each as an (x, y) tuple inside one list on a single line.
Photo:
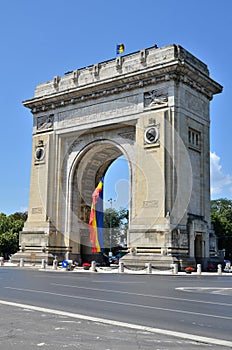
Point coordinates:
[(219, 180)]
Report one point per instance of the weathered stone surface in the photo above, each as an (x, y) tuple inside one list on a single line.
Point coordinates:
[(151, 106)]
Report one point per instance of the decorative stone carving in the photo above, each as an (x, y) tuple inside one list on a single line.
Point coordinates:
[(39, 152), (151, 135), (56, 81), (118, 62), (93, 125), (155, 98), (152, 121), (184, 238), (175, 237), (151, 204), (73, 145), (45, 122), (128, 135), (75, 75), (37, 210), (96, 70), (143, 56)]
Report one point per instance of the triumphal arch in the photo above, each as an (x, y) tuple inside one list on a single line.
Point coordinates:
[(151, 106)]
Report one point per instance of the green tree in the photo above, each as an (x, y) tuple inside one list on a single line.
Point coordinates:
[(221, 218), (10, 226), (118, 221)]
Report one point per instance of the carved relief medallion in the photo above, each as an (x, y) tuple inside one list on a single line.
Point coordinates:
[(39, 152), (151, 135)]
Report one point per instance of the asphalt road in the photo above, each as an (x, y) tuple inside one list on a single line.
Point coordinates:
[(113, 311)]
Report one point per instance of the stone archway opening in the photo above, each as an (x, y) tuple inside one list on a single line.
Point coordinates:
[(116, 184), (116, 203), (99, 160)]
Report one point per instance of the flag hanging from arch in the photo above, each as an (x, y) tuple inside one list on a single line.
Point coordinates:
[(96, 220)]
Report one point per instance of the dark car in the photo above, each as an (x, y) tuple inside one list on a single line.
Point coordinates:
[(212, 267)]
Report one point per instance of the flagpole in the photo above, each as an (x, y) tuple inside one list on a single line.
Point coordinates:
[(111, 201)]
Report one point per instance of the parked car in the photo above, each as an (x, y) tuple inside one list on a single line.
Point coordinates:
[(227, 266), (212, 267), (113, 260)]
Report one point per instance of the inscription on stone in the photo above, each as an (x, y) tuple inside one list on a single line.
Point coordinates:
[(150, 204), (106, 110), (37, 210)]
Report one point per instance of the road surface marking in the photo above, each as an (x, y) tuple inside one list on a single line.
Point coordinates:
[(186, 336), (142, 295), (118, 303), (211, 290), (117, 282)]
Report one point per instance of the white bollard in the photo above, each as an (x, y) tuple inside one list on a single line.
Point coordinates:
[(1, 261), (219, 270), (175, 269), (148, 267), (199, 269), (93, 266), (121, 267), (67, 256), (21, 263), (54, 265), (43, 264)]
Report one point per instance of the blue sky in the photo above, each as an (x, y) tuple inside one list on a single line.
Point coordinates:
[(41, 39)]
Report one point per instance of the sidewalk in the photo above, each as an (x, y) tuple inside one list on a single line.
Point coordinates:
[(114, 269), (26, 329)]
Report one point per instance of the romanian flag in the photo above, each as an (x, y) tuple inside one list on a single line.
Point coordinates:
[(96, 219), (120, 48)]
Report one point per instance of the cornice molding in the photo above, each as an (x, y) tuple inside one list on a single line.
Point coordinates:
[(145, 68), (66, 98)]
